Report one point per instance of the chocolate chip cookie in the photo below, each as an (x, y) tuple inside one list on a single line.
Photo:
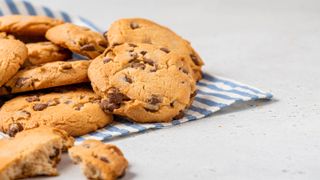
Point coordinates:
[(27, 25), (34, 152), (43, 52), (47, 75), (98, 160), (13, 53), (78, 39), (143, 82), (76, 111), (138, 30)]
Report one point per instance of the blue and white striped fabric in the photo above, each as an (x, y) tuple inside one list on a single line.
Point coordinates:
[(214, 93)]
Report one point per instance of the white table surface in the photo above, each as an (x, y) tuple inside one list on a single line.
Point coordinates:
[(271, 44)]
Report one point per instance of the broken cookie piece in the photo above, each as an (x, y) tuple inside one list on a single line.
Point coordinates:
[(33, 152), (99, 160)]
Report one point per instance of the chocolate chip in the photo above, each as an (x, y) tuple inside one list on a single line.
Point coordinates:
[(20, 82), (183, 70), (166, 50), (195, 59), (32, 98), (106, 60), (143, 52), (14, 129), (87, 47), (154, 100), (132, 45), (134, 25), (133, 55), (107, 106), (149, 61), (128, 79), (137, 64), (104, 159), (40, 106), (179, 116), (115, 98)]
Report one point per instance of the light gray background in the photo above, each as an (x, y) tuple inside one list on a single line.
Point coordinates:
[(271, 44)]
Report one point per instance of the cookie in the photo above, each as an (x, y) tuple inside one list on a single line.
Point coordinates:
[(138, 30), (47, 75), (13, 53), (27, 25), (142, 82), (75, 111), (98, 160), (34, 152), (43, 52), (78, 39)]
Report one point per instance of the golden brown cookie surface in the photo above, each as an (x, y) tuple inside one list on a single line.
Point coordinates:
[(33, 152), (13, 53), (27, 25), (142, 82), (138, 30), (98, 160), (78, 39), (47, 75), (44, 52), (76, 111)]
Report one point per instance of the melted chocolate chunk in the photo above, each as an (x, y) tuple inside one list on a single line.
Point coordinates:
[(87, 47), (32, 98), (40, 106), (134, 25), (166, 50), (115, 98), (14, 129), (154, 100)]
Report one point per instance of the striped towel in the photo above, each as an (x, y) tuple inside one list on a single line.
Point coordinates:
[(214, 93)]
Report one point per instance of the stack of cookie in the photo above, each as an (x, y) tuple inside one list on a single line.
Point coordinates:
[(137, 69)]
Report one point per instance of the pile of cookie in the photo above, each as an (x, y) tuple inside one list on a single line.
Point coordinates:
[(137, 69)]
